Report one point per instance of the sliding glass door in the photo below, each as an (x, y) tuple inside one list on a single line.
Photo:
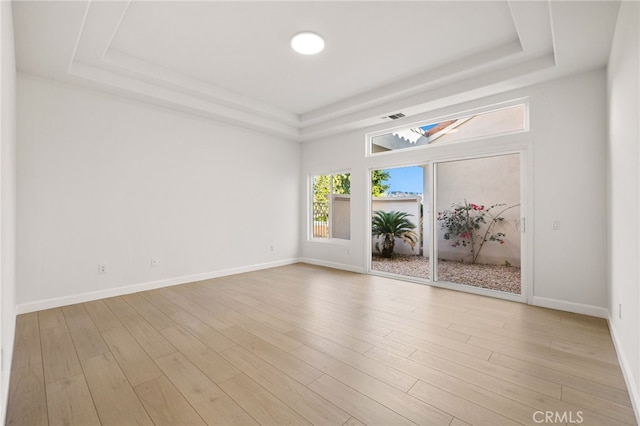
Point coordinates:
[(470, 239), (478, 223)]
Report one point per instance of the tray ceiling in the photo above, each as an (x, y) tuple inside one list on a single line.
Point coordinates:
[(231, 61)]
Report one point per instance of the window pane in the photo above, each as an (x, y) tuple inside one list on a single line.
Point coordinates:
[(490, 123), (331, 206)]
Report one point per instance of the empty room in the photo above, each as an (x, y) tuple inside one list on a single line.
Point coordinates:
[(320, 212)]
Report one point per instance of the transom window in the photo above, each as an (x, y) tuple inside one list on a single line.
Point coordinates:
[(505, 120)]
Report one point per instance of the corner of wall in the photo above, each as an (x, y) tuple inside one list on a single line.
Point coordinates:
[(632, 386), (623, 197), (7, 199)]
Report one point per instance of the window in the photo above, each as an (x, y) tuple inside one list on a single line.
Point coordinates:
[(489, 123), (331, 206)]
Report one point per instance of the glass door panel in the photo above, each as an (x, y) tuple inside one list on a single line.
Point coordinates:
[(400, 221), (477, 227)]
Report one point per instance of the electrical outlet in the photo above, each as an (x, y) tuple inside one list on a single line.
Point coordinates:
[(154, 261), (555, 225), (102, 268), (272, 248)]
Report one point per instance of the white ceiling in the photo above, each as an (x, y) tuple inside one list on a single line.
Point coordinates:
[(231, 60)]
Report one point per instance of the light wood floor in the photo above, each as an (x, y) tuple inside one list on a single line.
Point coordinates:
[(308, 345)]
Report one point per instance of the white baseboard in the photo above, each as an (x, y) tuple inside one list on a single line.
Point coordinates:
[(576, 308), (134, 288), (334, 265), (632, 386)]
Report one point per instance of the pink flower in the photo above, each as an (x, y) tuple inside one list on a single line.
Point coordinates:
[(464, 235)]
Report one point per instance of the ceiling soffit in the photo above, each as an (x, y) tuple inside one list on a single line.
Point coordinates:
[(102, 57)]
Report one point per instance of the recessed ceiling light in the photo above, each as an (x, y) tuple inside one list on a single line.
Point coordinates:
[(307, 43)]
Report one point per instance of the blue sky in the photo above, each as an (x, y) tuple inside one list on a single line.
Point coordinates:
[(406, 179)]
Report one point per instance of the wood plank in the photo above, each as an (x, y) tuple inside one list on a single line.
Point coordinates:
[(556, 329), (69, 402), (59, 357), (332, 334), (148, 337), (114, 398), (213, 405), (613, 394), (301, 371), (71, 311), (27, 403), (259, 403), (500, 379), (101, 315), (131, 357), (458, 422), (397, 400), (502, 335), (206, 359), (428, 342), (340, 328), (163, 304), (352, 401), (85, 335), (198, 310), (457, 406), (260, 311), (585, 321), (305, 402), (158, 319), (207, 295), (365, 364), (26, 347), (620, 412), (263, 331), (528, 350), (51, 318), (616, 381), (165, 404), (512, 401), (205, 333), (353, 422), (594, 350)]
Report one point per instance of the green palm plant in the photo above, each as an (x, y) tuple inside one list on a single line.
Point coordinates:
[(390, 225)]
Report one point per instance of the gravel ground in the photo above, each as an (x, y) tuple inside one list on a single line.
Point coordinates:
[(494, 277)]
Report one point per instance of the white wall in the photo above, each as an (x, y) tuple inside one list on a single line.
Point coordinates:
[(486, 181), (623, 179), (105, 180), (568, 128), (567, 148), (7, 199)]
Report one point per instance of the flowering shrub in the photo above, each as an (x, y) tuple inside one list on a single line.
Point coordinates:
[(463, 225)]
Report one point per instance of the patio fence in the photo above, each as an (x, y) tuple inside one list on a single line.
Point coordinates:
[(320, 219)]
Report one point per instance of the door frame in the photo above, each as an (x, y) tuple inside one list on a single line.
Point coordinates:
[(516, 145)]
